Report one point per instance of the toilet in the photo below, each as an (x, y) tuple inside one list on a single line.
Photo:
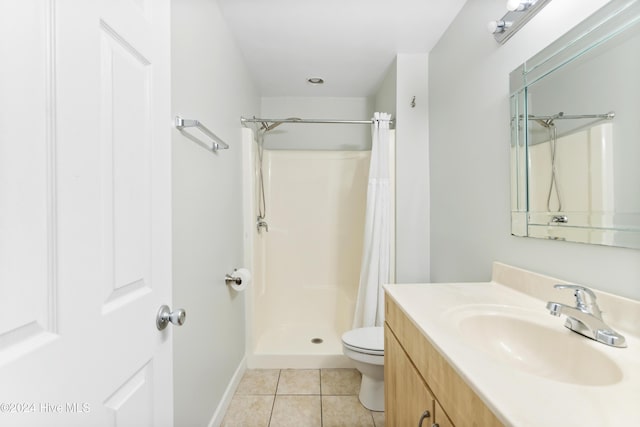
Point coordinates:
[(365, 346)]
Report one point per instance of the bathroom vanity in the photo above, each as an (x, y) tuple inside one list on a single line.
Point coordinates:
[(491, 354)]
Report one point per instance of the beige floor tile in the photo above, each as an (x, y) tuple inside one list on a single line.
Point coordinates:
[(296, 411), (246, 411), (297, 402), (345, 411), (340, 381), (378, 418), (299, 381), (259, 381)]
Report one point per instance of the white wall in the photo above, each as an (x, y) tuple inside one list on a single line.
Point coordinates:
[(412, 170), (385, 98), (469, 143), (210, 83), (318, 136), (406, 78)]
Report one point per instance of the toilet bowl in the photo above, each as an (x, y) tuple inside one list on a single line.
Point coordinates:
[(365, 346)]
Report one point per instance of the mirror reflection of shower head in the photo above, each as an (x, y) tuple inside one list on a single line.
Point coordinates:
[(549, 121)]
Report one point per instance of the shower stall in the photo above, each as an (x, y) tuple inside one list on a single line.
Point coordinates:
[(304, 224)]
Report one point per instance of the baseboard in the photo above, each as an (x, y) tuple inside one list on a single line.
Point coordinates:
[(221, 410)]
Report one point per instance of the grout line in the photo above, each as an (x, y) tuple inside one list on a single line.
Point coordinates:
[(302, 394), (320, 384), (275, 394)]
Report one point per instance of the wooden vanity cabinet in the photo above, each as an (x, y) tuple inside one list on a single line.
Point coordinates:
[(417, 379), (441, 417), (406, 396)]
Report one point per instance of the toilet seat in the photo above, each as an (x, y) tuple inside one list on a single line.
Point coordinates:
[(369, 340)]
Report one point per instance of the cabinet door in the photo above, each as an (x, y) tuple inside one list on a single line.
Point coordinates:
[(441, 419), (405, 393)]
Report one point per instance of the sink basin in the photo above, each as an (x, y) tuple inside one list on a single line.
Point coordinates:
[(524, 340)]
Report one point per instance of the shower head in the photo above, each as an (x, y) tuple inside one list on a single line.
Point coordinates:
[(271, 126), (267, 127)]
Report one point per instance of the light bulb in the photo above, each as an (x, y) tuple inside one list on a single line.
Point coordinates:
[(519, 5)]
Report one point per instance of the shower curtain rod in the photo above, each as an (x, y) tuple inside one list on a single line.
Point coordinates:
[(244, 120)]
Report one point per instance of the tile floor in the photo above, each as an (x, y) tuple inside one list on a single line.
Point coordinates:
[(300, 398)]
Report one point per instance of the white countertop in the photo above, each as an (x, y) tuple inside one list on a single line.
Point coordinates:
[(517, 397)]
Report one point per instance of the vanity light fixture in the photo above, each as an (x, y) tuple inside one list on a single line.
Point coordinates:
[(519, 13)]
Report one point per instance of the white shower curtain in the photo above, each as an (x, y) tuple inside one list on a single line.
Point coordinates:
[(376, 251)]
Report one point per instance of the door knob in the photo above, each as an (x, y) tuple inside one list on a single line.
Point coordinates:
[(165, 315)]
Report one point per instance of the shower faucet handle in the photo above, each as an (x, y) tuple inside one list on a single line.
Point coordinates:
[(262, 224), (560, 219)]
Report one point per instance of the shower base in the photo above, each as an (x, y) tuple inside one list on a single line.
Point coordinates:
[(291, 346)]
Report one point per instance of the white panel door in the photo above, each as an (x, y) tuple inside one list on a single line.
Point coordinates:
[(85, 213)]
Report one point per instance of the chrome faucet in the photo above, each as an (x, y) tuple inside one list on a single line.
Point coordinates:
[(586, 318)]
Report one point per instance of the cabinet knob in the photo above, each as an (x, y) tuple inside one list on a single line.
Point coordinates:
[(426, 414)]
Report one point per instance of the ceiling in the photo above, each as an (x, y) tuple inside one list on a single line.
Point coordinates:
[(348, 43)]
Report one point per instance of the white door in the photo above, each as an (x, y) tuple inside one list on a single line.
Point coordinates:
[(85, 223)]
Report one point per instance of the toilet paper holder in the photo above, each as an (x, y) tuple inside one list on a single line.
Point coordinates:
[(238, 280), (230, 279)]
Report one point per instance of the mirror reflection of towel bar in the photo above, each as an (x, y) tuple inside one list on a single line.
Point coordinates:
[(218, 143)]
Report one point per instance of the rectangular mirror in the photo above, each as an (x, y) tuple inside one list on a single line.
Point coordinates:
[(575, 134)]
